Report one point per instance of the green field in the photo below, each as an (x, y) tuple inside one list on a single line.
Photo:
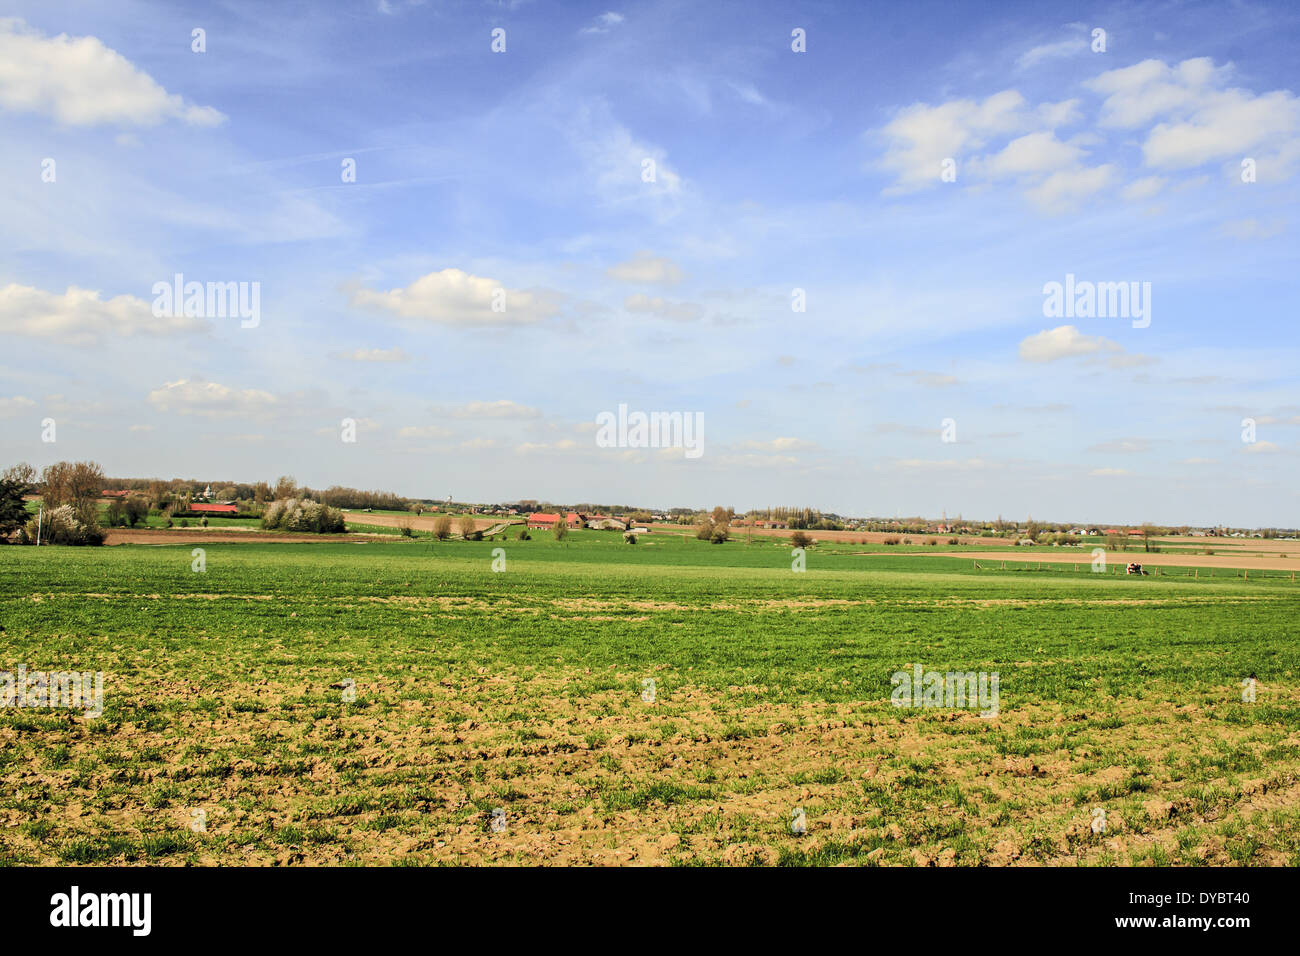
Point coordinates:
[(521, 691)]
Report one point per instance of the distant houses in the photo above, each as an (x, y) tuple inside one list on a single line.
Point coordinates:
[(547, 520)]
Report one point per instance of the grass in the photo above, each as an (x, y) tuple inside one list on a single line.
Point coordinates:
[(225, 691)]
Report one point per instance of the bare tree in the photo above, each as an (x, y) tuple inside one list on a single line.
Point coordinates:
[(285, 487), (80, 484)]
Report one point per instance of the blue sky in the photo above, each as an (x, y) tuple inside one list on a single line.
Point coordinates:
[(775, 171)]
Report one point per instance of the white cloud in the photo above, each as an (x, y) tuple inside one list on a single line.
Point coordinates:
[(1260, 448), (779, 444), (1051, 51), (81, 82), (531, 448), (424, 431), (502, 408), (921, 137), (1066, 188), (81, 317), (453, 297), (616, 162), (604, 23), (678, 311), (9, 407), (1123, 446), (1039, 152), (1064, 341), (212, 400), (943, 464), (1200, 119), (374, 355), (1252, 229), (646, 269), (1109, 473), (1143, 188), (1137, 94)]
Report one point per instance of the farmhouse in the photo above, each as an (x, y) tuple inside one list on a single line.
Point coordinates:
[(214, 509), (115, 494), (542, 520)]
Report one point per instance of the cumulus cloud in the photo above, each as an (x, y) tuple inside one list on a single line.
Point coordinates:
[(1064, 341), (1053, 173), (453, 297), (1198, 118), (921, 137), (81, 317), (212, 400), (1039, 152), (81, 82)]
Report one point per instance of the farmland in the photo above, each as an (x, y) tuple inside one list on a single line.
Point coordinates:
[(378, 701)]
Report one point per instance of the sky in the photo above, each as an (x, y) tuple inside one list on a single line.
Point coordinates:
[(827, 230)]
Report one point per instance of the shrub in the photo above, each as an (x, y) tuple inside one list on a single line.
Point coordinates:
[(800, 540), (301, 515), (953, 541), (524, 535), (629, 537), (64, 525), (185, 522), (561, 529), (442, 527), (704, 530), (719, 535), (891, 541)]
